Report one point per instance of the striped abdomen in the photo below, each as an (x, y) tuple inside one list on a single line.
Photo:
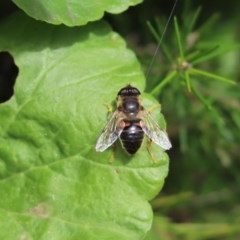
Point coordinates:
[(132, 135)]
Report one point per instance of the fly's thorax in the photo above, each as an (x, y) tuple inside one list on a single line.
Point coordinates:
[(129, 105)]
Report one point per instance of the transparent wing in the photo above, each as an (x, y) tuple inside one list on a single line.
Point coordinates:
[(109, 134), (154, 132)]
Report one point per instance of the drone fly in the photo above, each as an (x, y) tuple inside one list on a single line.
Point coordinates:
[(129, 122)]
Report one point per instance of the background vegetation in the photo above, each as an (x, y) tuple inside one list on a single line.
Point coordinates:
[(201, 195)]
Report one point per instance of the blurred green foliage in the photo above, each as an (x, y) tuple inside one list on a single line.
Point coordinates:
[(193, 77), (201, 196)]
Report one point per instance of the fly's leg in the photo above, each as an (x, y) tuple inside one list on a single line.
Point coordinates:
[(109, 107), (151, 109), (150, 152), (112, 157)]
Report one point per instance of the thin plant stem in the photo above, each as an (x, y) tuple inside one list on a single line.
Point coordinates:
[(188, 81), (201, 98), (179, 42), (198, 72), (167, 79)]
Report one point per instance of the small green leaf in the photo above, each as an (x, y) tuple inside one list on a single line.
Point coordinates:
[(73, 12), (53, 183)]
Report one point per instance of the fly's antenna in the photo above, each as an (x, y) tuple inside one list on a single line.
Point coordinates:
[(161, 38)]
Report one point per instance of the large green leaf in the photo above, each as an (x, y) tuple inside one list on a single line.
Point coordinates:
[(53, 184), (72, 12)]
